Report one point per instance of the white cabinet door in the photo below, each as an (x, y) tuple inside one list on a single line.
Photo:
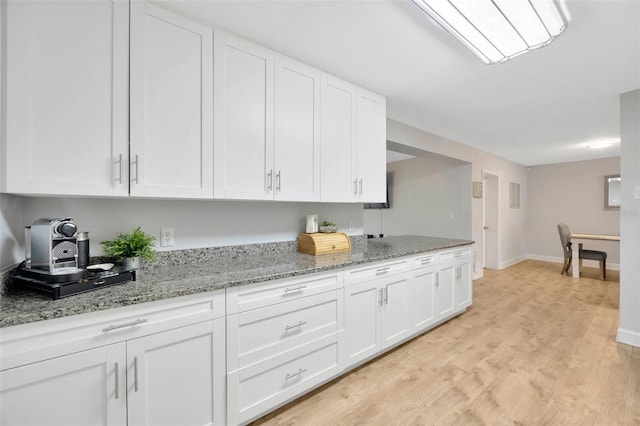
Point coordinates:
[(171, 105), (422, 298), (445, 284), (85, 388), (338, 140), (361, 337), (371, 147), (464, 283), (243, 115), (67, 97), (395, 314), (173, 377), (297, 131)]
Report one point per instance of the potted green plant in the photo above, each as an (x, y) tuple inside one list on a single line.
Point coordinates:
[(328, 227), (129, 248)]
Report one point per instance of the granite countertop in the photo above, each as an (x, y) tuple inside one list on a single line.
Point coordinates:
[(163, 282)]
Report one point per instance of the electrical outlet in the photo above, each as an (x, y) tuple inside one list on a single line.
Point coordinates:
[(166, 237)]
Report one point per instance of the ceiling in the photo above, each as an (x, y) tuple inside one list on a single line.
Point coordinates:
[(542, 107)]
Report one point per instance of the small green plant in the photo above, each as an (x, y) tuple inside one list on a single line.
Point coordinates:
[(328, 223), (136, 244)]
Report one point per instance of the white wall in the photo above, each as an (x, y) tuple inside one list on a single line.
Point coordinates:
[(629, 330), (196, 223), (512, 221), (429, 197), (572, 193)]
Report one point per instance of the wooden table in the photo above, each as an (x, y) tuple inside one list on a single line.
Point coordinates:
[(576, 246)]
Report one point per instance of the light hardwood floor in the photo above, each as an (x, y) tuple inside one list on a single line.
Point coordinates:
[(535, 348)]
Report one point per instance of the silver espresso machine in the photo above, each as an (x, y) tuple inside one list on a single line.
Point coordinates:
[(54, 245)]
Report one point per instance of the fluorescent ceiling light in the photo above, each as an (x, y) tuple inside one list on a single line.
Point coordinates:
[(498, 30)]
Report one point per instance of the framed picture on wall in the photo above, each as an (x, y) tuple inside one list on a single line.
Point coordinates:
[(477, 189), (514, 195)]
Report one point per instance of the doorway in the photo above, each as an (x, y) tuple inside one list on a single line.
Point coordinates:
[(490, 220)]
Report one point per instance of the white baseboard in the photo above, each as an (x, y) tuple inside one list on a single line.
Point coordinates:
[(512, 261), (628, 337), (587, 263)]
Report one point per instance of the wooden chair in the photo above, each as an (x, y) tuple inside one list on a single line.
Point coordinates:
[(565, 240)]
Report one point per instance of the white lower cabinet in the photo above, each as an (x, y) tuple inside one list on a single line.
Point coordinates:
[(171, 378), (422, 299), (445, 294), (282, 340), (163, 367), (85, 388), (227, 357), (376, 317), (463, 261)]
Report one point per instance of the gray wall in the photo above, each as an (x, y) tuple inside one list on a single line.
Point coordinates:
[(629, 331), (512, 233), (429, 197), (572, 193)]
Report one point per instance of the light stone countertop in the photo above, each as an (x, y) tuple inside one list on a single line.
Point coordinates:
[(174, 280)]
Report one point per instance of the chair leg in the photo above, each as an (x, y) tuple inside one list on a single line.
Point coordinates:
[(603, 266), (564, 267), (580, 266), (568, 267)]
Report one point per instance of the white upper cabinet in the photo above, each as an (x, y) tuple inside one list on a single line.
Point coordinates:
[(371, 147), (243, 115), (338, 139), (66, 88), (171, 153), (353, 143), (297, 131), (267, 124)]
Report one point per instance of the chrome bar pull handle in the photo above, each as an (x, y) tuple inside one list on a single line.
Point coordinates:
[(355, 187), (380, 298), (137, 164), (117, 373), (386, 295), (437, 279), (127, 324), (299, 324), (291, 376), (120, 166), (360, 192), (135, 373), (298, 288), (383, 270), (270, 181), (278, 177)]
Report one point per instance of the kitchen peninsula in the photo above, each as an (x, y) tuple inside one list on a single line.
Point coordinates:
[(266, 327)]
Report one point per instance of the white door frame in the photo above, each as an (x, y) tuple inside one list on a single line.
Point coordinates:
[(490, 219)]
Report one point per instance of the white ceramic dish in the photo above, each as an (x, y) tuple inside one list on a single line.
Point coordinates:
[(100, 267)]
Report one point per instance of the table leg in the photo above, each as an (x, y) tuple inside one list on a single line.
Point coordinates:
[(575, 262)]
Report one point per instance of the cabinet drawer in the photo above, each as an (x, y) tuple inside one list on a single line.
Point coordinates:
[(377, 270), (244, 298), (261, 333), (461, 254), (254, 390), (38, 341), (424, 260)]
